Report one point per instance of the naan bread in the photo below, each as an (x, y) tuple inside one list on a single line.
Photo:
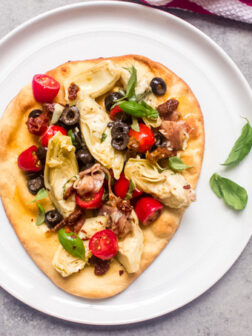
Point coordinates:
[(42, 245)]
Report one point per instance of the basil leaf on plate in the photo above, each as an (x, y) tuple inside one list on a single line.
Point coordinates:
[(41, 194), (241, 147), (41, 215), (130, 190), (232, 193), (72, 243), (135, 125), (177, 164)]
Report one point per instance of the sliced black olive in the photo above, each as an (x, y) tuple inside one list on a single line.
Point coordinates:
[(111, 99), (52, 218), (158, 86), (118, 128), (120, 141), (35, 184), (34, 113), (41, 153), (84, 157), (70, 115)]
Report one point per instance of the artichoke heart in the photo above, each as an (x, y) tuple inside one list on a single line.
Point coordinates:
[(60, 167), (130, 248), (93, 122), (96, 80), (166, 186)]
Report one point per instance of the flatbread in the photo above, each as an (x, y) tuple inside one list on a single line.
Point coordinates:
[(41, 245)]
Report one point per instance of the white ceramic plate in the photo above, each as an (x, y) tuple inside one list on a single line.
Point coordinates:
[(211, 236)]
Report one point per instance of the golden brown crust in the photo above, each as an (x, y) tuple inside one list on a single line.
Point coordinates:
[(41, 246)]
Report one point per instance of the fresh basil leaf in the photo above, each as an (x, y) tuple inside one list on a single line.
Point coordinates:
[(214, 184), (135, 125), (41, 215), (177, 164), (130, 190), (138, 110), (139, 97), (72, 243), (71, 135), (130, 89), (241, 147), (232, 193), (41, 194), (103, 137)]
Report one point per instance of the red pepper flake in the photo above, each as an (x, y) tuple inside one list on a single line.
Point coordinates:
[(121, 272), (73, 236), (74, 247), (187, 186), (67, 230)]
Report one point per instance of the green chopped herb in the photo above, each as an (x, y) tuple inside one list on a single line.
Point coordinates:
[(103, 137), (41, 194), (130, 190), (41, 215)]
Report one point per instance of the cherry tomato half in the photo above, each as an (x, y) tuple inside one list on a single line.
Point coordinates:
[(145, 137), (121, 188), (29, 161), (103, 244), (45, 88), (114, 111), (50, 132), (90, 203), (148, 210)]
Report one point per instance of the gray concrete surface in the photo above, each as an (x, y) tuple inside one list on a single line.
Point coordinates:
[(225, 309)]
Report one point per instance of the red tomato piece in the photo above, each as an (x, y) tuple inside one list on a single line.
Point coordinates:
[(145, 137), (103, 244), (29, 161), (45, 88), (148, 210), (93, 202), (50, 132), (121, 188), (114, 111)]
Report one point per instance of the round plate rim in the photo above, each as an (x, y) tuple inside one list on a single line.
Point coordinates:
[(231, 63)]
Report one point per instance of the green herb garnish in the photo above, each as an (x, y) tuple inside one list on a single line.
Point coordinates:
[(41, 194), (233, 194), (103, 137), (177, 164), (41, 214), (130, 89), (241, 147), (130, 190), (71, 135), (72, 243), (139, 110)]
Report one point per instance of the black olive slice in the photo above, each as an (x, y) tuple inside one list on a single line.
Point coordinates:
[(158, 86), (70, 115), (35, 184), (84, 157), (34, 113), (41, 153), (120, 141), (52, 218), (111, 99), (119, 127)]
